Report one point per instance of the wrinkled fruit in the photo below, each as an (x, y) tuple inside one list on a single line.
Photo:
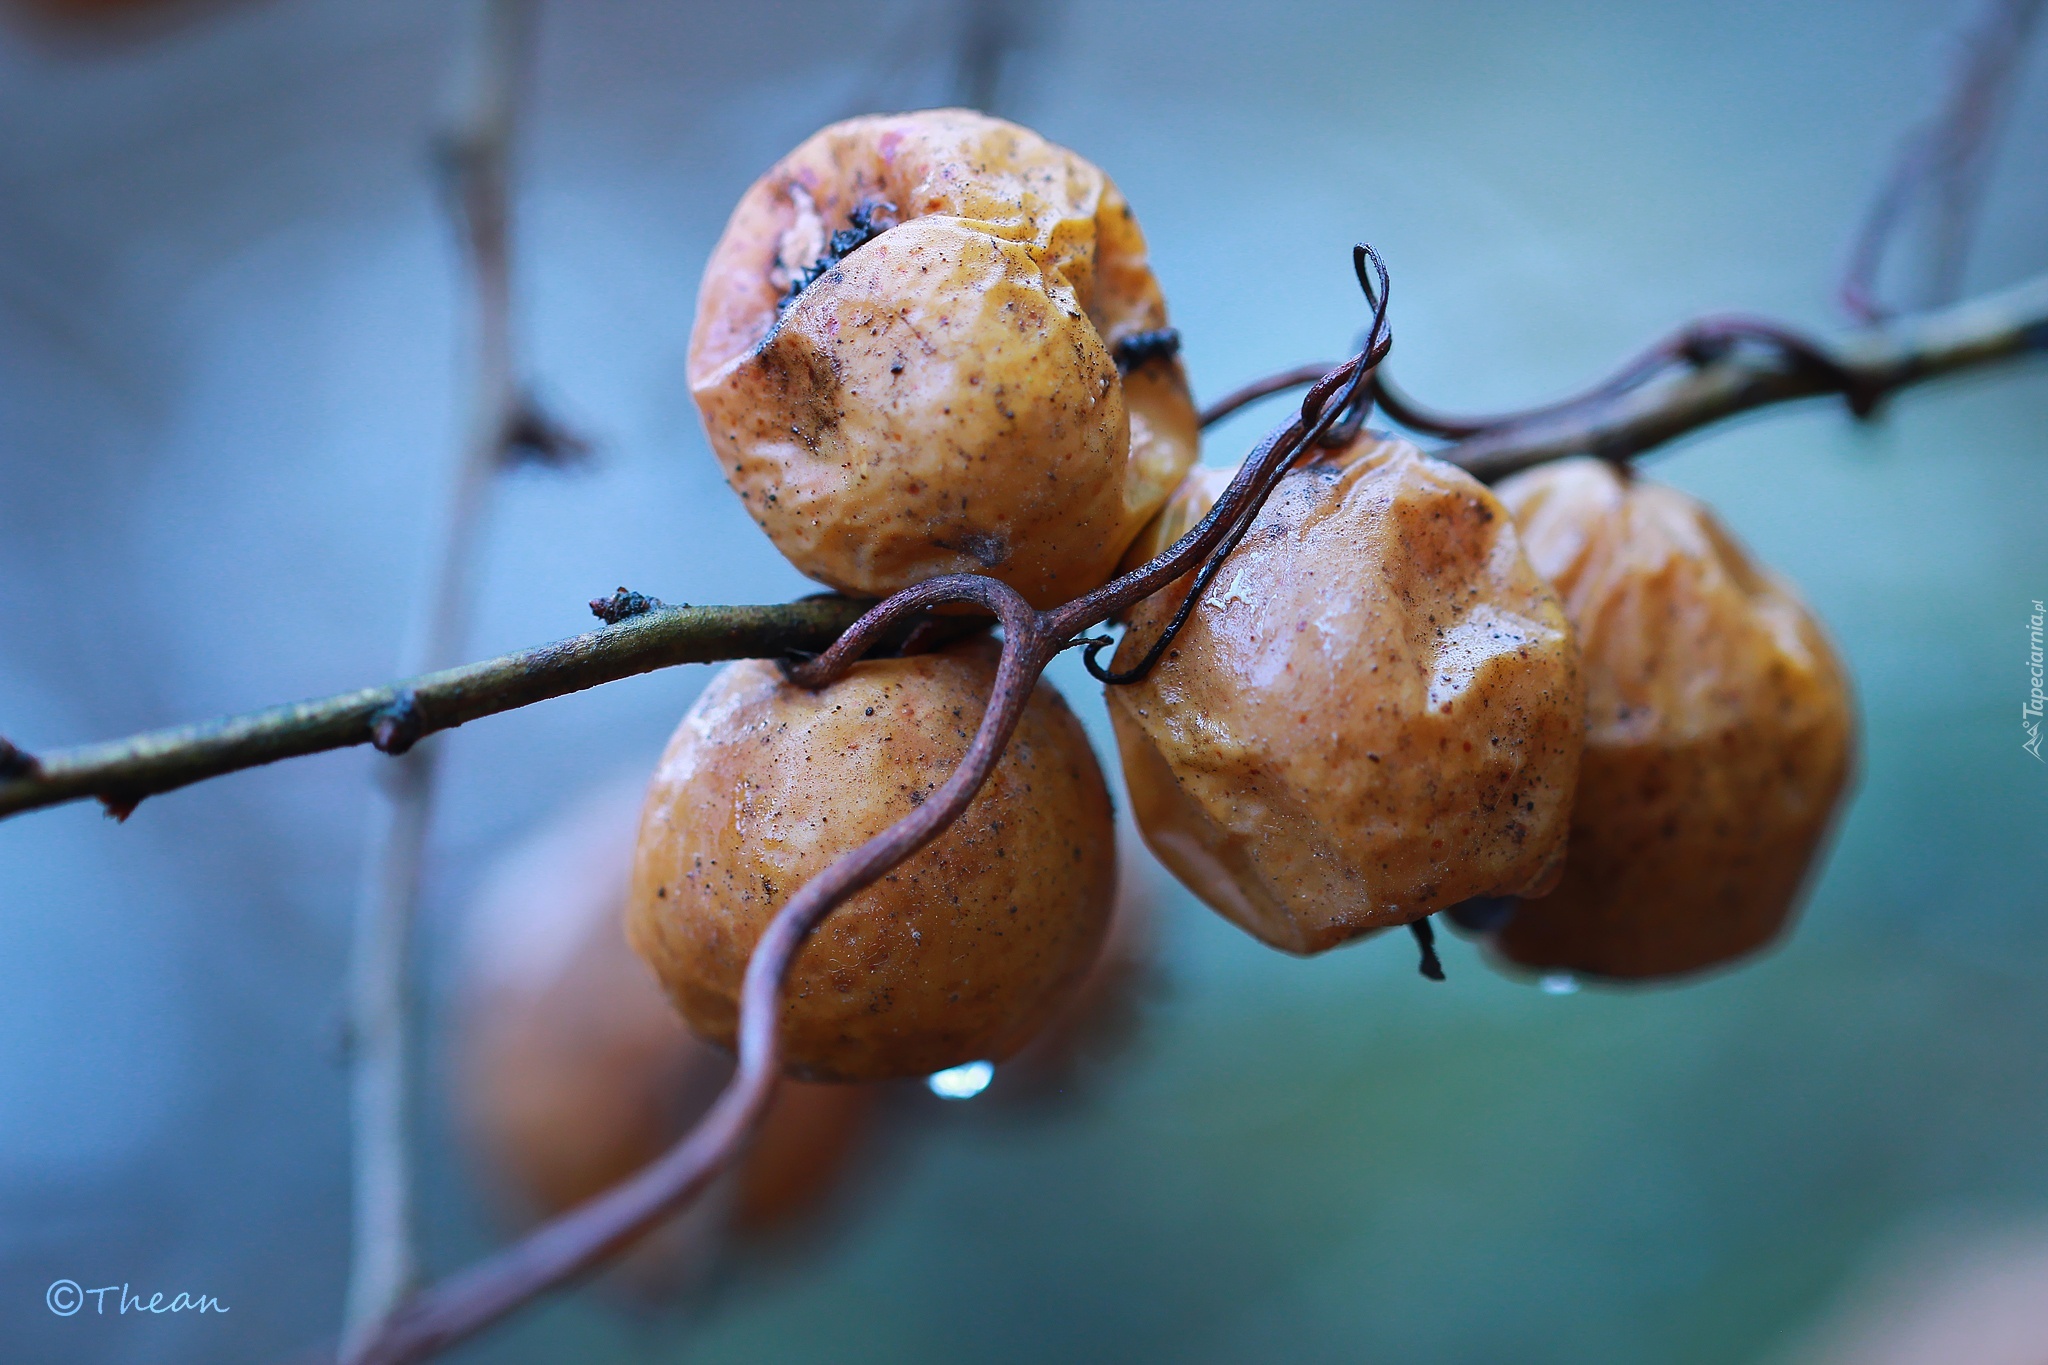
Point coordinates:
[(941, 395), (958, 954), (1373, 713), (1719, 732)]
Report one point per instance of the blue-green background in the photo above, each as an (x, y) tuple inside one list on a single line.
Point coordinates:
[(228, 340)]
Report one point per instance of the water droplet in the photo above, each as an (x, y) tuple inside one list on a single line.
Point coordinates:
[(1559, 983), (961, 1082)]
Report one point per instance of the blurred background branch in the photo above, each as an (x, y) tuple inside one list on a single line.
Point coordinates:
[(493, 60), (1942, 169)]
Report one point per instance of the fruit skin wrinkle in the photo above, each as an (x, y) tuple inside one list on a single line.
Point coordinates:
[(1374, 713)]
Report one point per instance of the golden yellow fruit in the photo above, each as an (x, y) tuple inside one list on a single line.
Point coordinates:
[(961, 952), (1719, 732), (942, 397), (1373, 713), (572, 1069)]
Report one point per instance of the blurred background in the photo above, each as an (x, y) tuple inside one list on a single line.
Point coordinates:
[(232, 322)]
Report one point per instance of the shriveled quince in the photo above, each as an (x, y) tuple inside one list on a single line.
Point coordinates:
[(907, 356), (961, 952), (1719, 736), (1373, 713)]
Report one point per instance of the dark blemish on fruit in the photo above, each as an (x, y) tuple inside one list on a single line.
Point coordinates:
[(986, 548), (870, 219), (1140, 348)]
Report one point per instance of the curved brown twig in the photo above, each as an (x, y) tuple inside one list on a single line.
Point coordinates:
[(1263, 388), (1336, 403), (1696, 344), (1720, 381), (1693, 347), (1707, 371)]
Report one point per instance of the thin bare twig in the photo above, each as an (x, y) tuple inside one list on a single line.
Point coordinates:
[(1707, 371), (1336, 403), (1943, 166), (476, 154), (390, 717), (1865, 367), (1262, 388)]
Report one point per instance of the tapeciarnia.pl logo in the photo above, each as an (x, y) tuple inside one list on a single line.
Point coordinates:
[(2030, 713)]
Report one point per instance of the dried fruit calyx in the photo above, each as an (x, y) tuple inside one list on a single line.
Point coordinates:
[(868, 220), (906, 357), (962, 951), (1719, 732), (1374, 712)]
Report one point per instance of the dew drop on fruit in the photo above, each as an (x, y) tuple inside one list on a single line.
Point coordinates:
[(962, 1082)]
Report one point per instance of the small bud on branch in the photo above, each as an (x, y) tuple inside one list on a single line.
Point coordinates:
[(17, 763), (621, 605)]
